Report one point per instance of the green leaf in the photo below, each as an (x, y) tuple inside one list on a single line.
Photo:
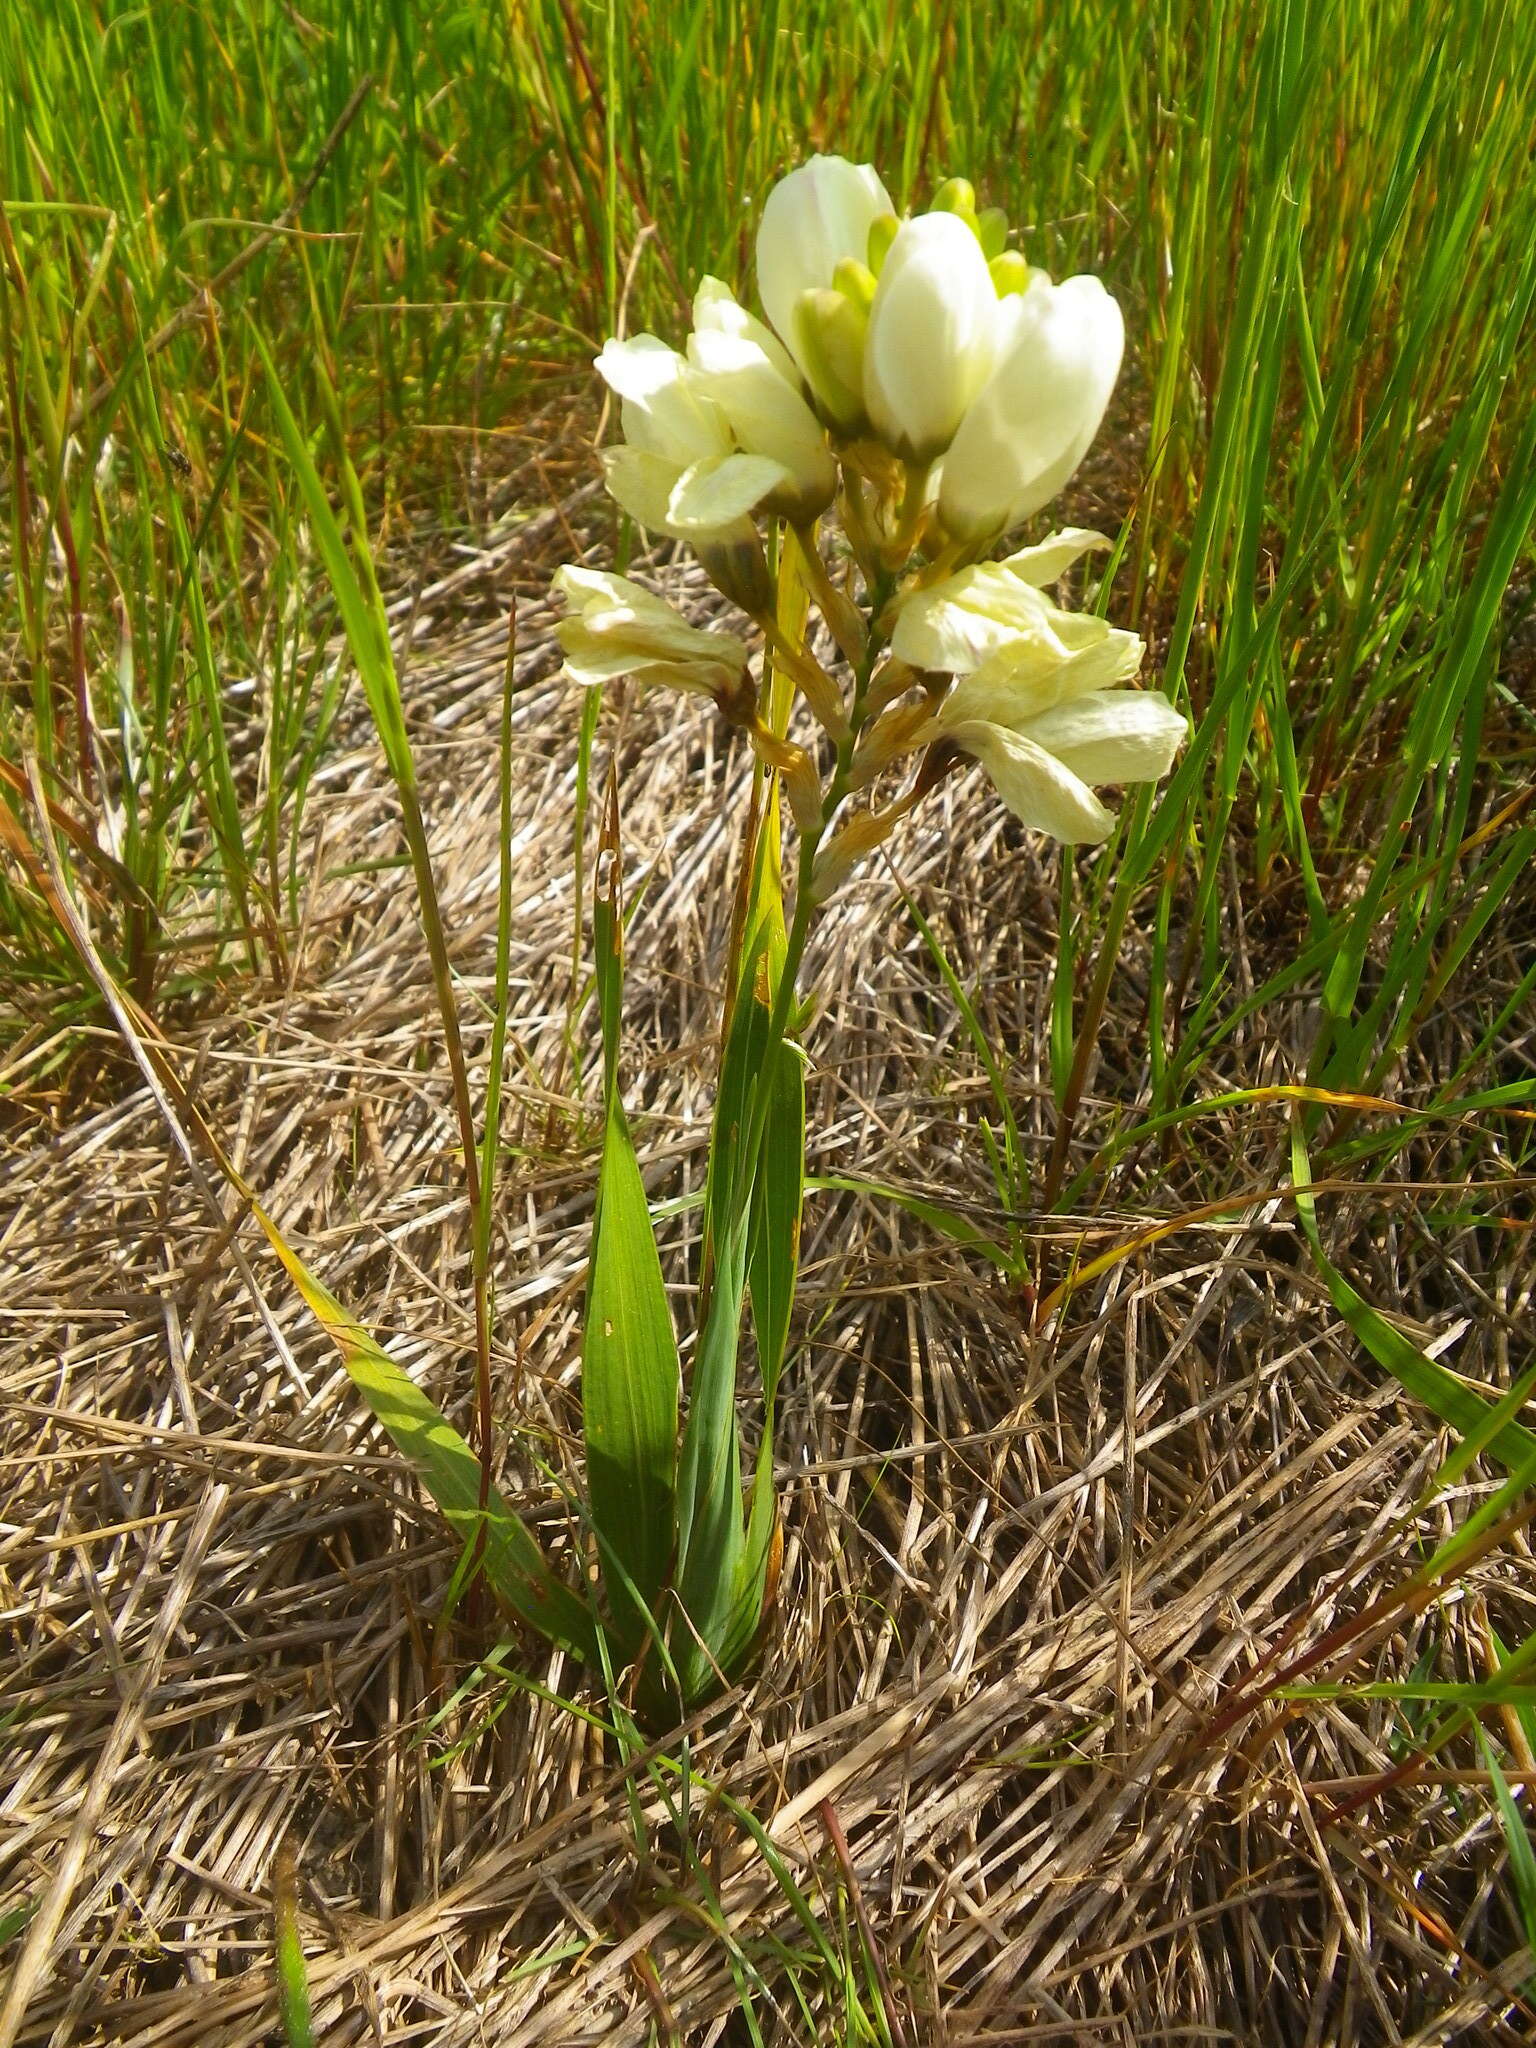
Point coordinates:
[(779, 1184), (773, 1268), (629, 1371), (1522, 1857), (946, 1221), (1441, 1391), (710, 1535), (752, 1221), (512, 1562), (776, 1202), (292, 1971)]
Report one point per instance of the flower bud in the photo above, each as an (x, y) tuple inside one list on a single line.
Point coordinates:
[(856, 281), (992, 232), (955, 195), (828, 337), (1010, 274), (882, 233), (813, 218), (931, 333)]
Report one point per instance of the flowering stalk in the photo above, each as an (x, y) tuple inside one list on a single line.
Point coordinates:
[(920, 385)]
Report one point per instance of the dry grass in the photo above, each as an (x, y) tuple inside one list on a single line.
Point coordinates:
[(1020, 1569)]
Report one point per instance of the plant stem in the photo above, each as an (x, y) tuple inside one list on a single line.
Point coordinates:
[(805, 905)]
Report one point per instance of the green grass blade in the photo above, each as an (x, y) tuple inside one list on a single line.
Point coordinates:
[(934, 1215), (1440, 1391), (1517, 1840), (710, 1534), (512, 1562), (292, 1971)]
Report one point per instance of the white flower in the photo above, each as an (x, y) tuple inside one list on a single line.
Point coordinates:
[(1057, 356), (931, 335), (614, 628), (943, 341), (812, 220), (1043, 767), (679, 471), (717, 311), (1035, 702), (739, 366), (716, 435), (994, 625)]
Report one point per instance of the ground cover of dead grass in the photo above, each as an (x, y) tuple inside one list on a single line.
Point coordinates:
[(1022, 1570)]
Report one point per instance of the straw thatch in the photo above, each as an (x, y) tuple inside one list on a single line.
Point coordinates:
[(1023, 1570)]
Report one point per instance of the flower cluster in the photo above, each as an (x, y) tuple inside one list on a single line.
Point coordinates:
[(939, 338), (924, 381)]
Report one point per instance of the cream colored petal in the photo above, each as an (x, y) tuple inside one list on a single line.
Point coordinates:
[(1042, 793), (593, 661), (587, 660), (1118, 736), (631, 632), (960, 623), (716, 310), (662, 411), (694, 679), (638, 368), (658, 633), (600, 598), (1032, 672), (594, 658), (642, 484), (766, 414), (1001, 697), (813, 218), (1053, 557), (1033, 420), (581, 586), (609, 605), (719, 493), (931, 333)]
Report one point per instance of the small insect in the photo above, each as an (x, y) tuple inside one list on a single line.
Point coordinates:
[(175, 460)]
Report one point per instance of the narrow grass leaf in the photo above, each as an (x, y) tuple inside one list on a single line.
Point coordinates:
[(1517, 1841), (1440, 1391), (513, 1564), (935, 1215), (292, 1971)]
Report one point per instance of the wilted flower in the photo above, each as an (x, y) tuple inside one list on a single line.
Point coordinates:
[(1035, 701), (614, 628)]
